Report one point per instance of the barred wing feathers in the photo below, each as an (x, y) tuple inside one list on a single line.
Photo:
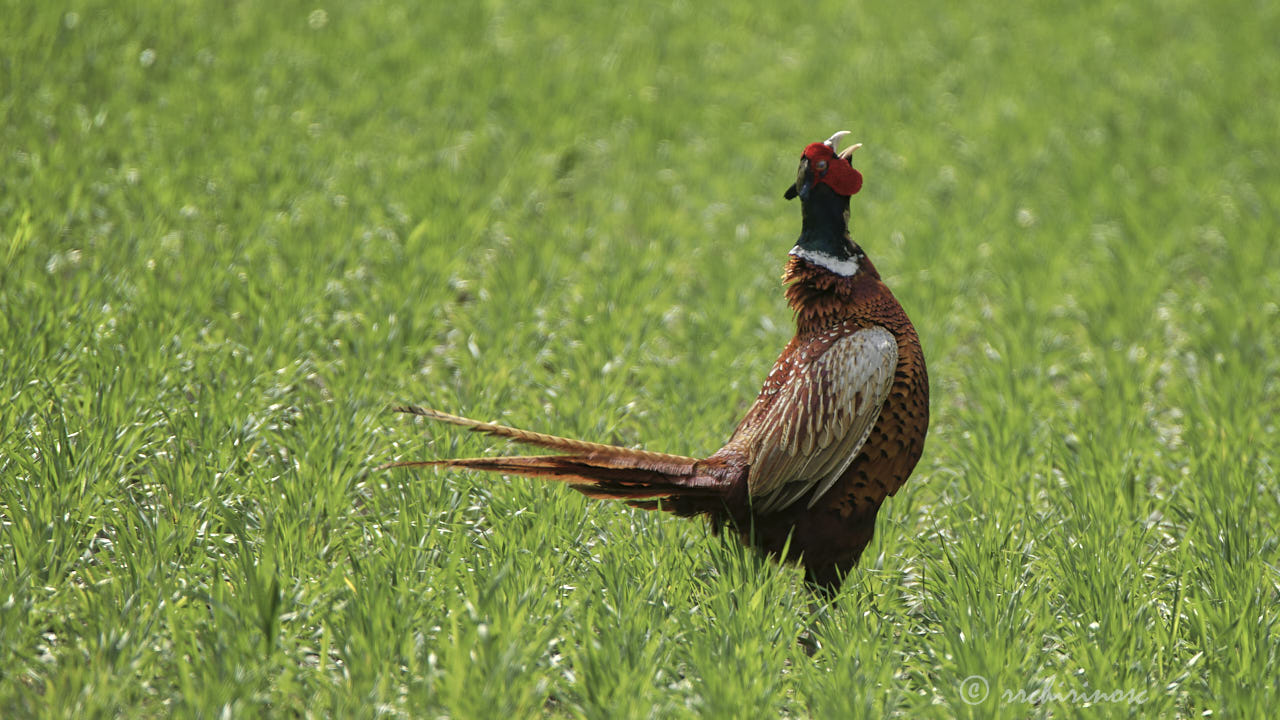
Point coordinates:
[(819, 418)]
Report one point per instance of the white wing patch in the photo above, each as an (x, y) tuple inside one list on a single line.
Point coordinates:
[(821, 419)]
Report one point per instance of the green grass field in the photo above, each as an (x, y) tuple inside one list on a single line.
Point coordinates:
[(235, 233)]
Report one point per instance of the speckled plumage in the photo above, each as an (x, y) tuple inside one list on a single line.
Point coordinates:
[(837, 427), (832, 533)]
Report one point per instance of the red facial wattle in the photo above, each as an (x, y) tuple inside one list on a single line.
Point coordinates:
[(832, 170)]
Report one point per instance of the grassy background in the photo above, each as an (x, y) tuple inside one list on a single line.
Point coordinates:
[(234, 233)]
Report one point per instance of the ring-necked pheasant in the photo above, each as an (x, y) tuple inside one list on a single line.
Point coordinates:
[(837, 427)]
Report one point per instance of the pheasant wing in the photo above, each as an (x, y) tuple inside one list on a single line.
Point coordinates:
[(820, 418)]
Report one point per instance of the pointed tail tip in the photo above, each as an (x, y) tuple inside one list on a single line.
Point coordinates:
[(433, 414), (410, 464)]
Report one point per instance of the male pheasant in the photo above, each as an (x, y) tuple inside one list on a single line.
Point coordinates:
[(837, 427)]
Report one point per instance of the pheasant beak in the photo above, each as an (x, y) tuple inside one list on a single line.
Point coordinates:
[(804, 182)]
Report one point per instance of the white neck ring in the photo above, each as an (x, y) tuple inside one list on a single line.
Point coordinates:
[(847, 267)]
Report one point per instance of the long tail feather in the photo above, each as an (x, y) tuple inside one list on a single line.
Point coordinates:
[(593, 469), (551, 442)]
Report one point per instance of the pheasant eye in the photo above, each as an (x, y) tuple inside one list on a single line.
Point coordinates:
[(821, 165)]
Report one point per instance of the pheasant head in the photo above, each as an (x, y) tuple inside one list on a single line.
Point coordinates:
[(822, 165)]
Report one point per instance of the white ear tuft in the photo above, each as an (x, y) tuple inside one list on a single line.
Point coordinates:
[(832, 141), (848, 152)]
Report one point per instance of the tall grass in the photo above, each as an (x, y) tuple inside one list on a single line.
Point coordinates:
[(233, 235)]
